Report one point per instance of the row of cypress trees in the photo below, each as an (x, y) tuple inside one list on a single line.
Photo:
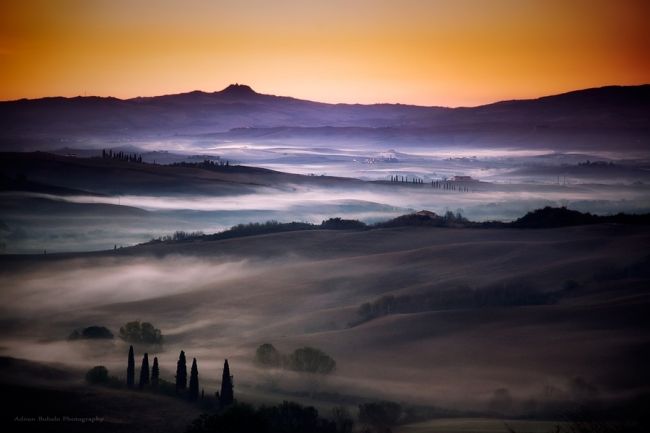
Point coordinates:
[(225, 397)]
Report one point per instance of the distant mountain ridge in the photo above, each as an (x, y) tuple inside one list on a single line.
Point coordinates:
[(620, 112)]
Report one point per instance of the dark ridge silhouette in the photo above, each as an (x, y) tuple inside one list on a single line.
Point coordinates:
[(559, 217), (155, 373), (226, 395), (621, 111), (548, 217), (114, 176), (193, 393), (427, 218), (22, 183), (130, 369), (254, 229), (181, 373), (144, 371)]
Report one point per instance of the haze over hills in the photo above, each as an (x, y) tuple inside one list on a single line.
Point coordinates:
[(599, 117)]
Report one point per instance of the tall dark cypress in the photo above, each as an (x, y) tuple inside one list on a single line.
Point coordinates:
[(155, 373), (181, 373), (226, 396), (144, 371), (130, 369), (194, 382)]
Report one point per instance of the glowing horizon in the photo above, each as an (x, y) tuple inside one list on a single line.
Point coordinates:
[(461, 53)]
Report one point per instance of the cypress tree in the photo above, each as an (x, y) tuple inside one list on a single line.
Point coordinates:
[(130, 369), (181, 373), (155, 373), (226, 397), (144, 371), (194, 382)]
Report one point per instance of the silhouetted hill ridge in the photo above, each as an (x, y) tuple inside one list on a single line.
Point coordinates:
[(621, 110), (548, 217)]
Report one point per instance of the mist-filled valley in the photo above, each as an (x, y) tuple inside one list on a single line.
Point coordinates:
[(61, 202), (559, 317), (399, 268)]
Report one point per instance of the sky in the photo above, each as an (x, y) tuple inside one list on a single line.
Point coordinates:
[(450, 53)]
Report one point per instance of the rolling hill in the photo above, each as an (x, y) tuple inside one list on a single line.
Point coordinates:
[(585, 117)]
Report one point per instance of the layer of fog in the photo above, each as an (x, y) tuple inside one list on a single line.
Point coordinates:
[(224, 306), (378, 160), (34, 224), (512, 182)]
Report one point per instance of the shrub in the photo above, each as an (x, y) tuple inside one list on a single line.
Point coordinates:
[(97, 375), (311, 360), (382, 414), (145, 332), (267, 355), (341, 224), (91, 333)]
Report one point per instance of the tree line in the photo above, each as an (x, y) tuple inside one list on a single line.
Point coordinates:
[(504, 294), (122, 156), (206, 164), (304, 359), (437, 184), (149, 378), (541, 218)]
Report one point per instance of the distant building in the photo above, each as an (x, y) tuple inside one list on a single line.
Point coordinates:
[(463, 179)]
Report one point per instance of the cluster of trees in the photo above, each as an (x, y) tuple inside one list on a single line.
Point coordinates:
[(505, 294), (304, 359), (121, 156), (150, 378), (444, 185), (91, 333), (405, 179), (254, 229), (429, 219), (342, 224), (233, 417), (180, 236), (132, 332), (449, 186), (206, 164), (589, 163), (97, 375), (141, 333)]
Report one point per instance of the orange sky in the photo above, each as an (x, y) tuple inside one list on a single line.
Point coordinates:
[(411, 51)]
